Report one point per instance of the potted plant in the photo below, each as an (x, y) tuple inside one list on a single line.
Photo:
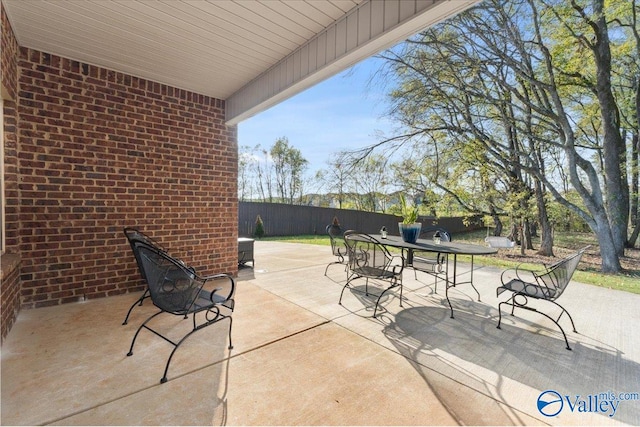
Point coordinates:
[(409, 227)]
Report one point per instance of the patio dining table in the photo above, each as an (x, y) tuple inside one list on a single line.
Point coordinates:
[(447, 248)]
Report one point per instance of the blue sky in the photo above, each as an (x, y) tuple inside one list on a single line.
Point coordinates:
[(343, 112)]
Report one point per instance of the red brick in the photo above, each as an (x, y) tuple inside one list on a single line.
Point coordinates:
[(100, 150)]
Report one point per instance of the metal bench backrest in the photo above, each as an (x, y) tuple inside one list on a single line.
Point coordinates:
[(558, 275)]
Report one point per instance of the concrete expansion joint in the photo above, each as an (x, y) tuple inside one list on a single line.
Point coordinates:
[(302, 331)]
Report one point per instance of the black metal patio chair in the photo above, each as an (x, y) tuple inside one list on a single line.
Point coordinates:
[(178, 290), (369, 259), (432, 263), (544, 285), (134, 235), (338, 246)]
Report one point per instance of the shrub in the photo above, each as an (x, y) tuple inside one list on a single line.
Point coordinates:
[(259, 231)]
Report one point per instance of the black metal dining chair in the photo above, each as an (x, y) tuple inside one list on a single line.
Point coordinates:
[(338, 246), (178, 290), (546, 284), (432, 263), (369, 259), (134, 235)]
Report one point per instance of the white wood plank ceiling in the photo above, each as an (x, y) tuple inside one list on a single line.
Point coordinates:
[(212, 47)]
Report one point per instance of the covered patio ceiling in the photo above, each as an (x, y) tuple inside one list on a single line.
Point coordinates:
[(251, 53)]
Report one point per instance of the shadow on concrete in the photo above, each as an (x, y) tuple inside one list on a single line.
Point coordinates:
[(428, 338)]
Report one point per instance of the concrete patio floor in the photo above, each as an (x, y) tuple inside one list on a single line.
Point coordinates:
[(299, 358)]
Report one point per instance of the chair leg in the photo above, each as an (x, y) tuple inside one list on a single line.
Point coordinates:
[(144, 325), (500, 311), (435, 279), (393, 285), (330, 264), (375, 308), (512, 302), (385, 291), (558, 325), (446, 295), (139, 301), (166, 369), (565, 311), (475, 289), (343, 288), (230, 324), (195, 328)]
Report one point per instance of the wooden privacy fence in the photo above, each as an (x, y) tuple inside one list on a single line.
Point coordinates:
[(294, 220)]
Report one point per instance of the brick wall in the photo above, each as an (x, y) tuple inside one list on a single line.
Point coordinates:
[(99, 150), (8, 57), (9, 277), (10, 295)]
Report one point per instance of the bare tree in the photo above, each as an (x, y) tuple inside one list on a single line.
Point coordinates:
[(495, 81), (337, 176), (370, 179)]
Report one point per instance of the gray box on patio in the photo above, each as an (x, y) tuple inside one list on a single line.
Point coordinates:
[(245, 251)]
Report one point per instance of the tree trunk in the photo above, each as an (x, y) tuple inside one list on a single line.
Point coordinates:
[(522, 241), (610, 259), (635, 181), (635, 233), (498, 230), (514, 235), (546, 241), (613, 147), (527, 233)]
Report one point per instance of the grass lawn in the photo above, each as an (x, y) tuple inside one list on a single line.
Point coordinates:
[(564, 244)]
